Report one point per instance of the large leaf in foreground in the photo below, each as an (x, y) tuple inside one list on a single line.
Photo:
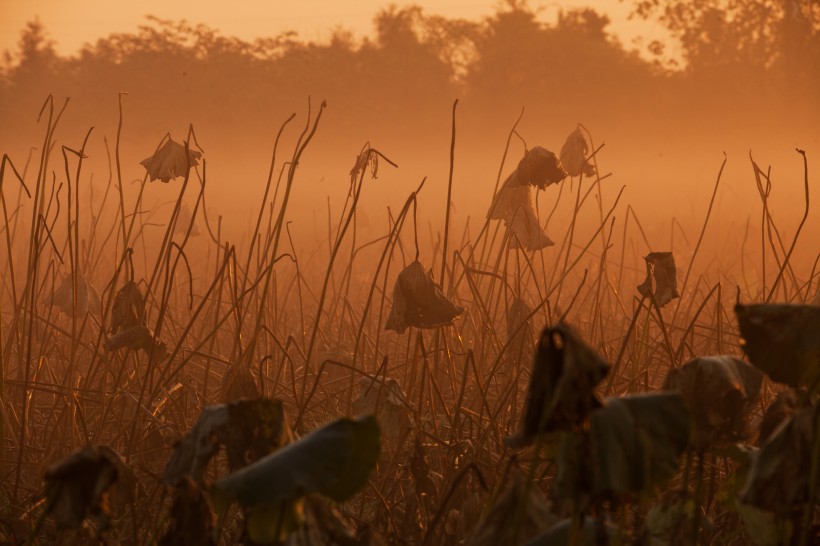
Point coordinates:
[(783, 341), (720, 392), (561, 392), (335, 460), (249, 430), (780, 476), (636, 441)]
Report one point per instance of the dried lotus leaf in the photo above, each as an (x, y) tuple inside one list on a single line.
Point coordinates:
[(418, 301), (170, 161), (661, 281)]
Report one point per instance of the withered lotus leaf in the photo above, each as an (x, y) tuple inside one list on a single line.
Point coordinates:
[(783, 407), (387, 401), (87, 297), (249, 430), (779, 479), (514, 205), (515, 501), (525, 232), (238, 382), (540, 168), (720, 392), (129, 308), (561, 392), (782, 340), (418, 301), (138, 337), (518, 315), (636, 442), (661, 281), (191, 516), (574, 154), (170, 161), (76, 487)]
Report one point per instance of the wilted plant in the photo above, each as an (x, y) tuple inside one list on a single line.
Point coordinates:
[(661, 281), (77, 486), (783, 341), (574, 155), (514, 204), (88, 300), (561, 393), (720, 392), (418, 301), (170, 161)]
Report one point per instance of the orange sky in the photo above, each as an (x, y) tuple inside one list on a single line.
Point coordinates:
[(72, 23)]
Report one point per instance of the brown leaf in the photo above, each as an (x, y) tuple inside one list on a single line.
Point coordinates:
[(574, 153), (138, 337), (661, 281), (514, 205), (518, 503), (387, 401), (561, 392), (250, 429), (129, 308), (783, 341), (238, 382), (77, 486), (540, 168), (170, 161), (783, 408), (191, 516), (418, 301), (87, 297), (526, 233), (720, 392), (517, 315), (779, 479)]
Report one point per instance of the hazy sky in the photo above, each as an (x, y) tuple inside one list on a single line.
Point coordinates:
[(71, 23)]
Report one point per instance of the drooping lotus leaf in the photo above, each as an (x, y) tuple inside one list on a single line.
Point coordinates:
[(170, 161), (574, 154), (783, 341), (88, 300), (249, 430), (661, 281), (720, 392), (526, 232), (783, 407), (540, 168), (387, 401), (129, 308), (238, 382), (76, 487), (518, 316), (591, 532), (418, 301), (514, 205), (780, 476), (184, 220), (636, 442), (517, 500), (191, 516), (561, 391), (335, 461)]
